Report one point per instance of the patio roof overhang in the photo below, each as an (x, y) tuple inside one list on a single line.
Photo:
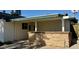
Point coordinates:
[(38, 18), (45, 18)]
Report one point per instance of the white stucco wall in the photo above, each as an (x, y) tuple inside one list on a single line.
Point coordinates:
[(14, 31), (19, 32), (1, 30), (10, 31)]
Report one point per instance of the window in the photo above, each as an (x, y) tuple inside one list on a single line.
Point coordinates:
[(27, 26), (24, 26)]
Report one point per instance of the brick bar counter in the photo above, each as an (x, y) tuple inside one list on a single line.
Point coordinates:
[(52, 39)]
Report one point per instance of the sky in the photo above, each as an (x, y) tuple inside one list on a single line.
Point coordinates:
[(30, 13)]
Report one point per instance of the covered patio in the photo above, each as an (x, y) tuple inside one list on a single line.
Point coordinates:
[(51, 31)]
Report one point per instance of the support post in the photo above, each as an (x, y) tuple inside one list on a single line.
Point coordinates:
[(35, 26), (63, 28)]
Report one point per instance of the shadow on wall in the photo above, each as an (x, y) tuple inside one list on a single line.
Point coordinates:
[(74, 35), (40, 39), (37, 40)]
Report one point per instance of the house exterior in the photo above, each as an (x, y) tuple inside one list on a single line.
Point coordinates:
[(54, 30)]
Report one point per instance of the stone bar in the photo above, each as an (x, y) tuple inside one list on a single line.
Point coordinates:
[(53, 39)]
